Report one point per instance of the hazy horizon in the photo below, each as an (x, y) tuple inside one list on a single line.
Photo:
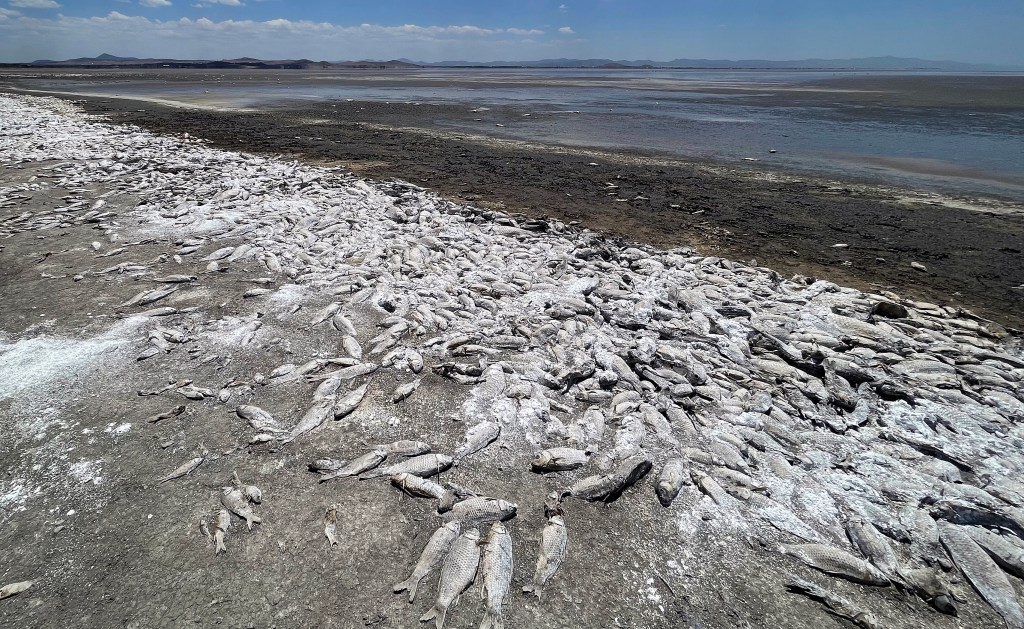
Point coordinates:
[(987, 32)]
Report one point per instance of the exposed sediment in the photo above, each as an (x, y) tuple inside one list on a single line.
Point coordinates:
[(303, 314)]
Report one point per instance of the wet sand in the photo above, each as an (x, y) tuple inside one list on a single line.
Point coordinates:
[(974, 257)]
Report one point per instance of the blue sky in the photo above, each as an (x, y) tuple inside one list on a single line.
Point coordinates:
[(434, 30)]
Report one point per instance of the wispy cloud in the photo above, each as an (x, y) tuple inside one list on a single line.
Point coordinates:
[(35, 4), (23, 38), (155, 3), (565, 30)]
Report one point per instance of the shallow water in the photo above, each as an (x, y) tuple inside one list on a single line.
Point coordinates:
[(931, 131)]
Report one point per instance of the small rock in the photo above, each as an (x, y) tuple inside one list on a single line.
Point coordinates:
[(918, 266)]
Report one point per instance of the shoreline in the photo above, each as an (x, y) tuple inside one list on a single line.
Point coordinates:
[(972, 248)]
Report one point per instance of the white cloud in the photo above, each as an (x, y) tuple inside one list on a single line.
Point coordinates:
[(524, 31), (8, 12), (563, 8), (229, 3), (155, 3), (24, 38), (35, 4), (565, 30)]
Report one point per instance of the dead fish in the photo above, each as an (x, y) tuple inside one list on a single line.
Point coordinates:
[(221, 526), (405, 390), (219, 254), (174, 412), (424, 466), (416, 486), (407, 448), (983, 573), (11, 589), (325, 314), (330, 522), (673, 476), (431, 557), (343, 325), (174, 279), (835, 561), (256, 292), (415, 360), (457, 574), (356, 371), (185, 468), (258, 418), (323, 466), (147, 297), (553, 542), (1007, 555), (349, 403), (559, 460), (608, 487), (926, 583), (352, 347), (313, 418), (477, 438), (482, 510), (866, 538), (236, 502), (368, 461), (496, 566), (835, 603)]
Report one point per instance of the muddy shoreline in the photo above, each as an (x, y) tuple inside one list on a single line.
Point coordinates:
[(974, 259)]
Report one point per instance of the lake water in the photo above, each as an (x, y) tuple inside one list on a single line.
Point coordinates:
[(948, 133)]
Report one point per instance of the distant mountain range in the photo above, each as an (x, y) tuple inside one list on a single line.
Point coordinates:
[(865, 63), (111, 61)]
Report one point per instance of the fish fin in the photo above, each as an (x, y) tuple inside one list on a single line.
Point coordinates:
[(430, 615), (221, 548), (492, 620)]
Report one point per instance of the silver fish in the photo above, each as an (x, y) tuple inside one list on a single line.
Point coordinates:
[(221, 526), (496, 566), (673, 476), (1006, 554), (482, 510), (431, 557), (835, 603), (608, 487), (343, 325), (836, 561), (237, 503), (983, 573), (425, 465), (313, 418), (416, 486), (866, 538), (553, 542), (185, 468), (352, 347), (457, 574), (405, 390), (323, 466), (258, 418), (368, 461), (349, 403), (477, 438), (330, 523), (559, 460)]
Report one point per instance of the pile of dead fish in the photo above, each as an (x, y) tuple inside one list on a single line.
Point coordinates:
[(871, 437)]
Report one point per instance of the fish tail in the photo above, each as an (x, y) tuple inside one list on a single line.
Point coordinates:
[(492, 620), (221, 548)]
